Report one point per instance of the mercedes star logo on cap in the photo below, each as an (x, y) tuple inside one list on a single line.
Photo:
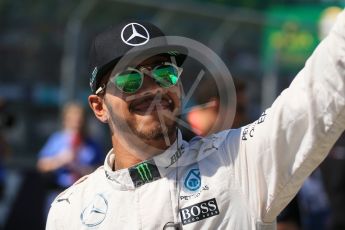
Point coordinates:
[(134, 34)]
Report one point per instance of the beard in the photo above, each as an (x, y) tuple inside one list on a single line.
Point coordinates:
[(155, 133), (132, 129)]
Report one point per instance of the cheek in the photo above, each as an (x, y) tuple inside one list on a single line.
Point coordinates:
[(117, 108), (176, 95)]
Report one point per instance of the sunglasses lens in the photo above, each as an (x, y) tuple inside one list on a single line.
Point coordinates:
[(166, 75), (129, 81)]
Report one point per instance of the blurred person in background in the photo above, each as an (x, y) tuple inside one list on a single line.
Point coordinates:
[(69, 153)]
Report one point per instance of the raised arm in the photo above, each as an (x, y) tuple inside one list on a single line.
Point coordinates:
[(276, 153)]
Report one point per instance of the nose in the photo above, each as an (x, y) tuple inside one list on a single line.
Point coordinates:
[(150, 85)]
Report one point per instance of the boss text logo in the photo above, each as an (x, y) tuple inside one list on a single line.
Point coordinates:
[(199, 211)]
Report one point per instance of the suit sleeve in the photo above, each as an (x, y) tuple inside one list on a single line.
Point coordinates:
[(271, 157), (59, 216), (52, 223)]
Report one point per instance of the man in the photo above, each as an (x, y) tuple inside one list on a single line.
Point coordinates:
[(235, 179)]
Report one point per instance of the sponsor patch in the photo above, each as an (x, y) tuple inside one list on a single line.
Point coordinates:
[(249, 130), (143, 173), (64, 196), (199, 211), (174, 158), (195, 195), (192, 181), (95, 213)]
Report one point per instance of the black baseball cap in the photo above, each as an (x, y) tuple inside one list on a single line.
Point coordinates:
[(111, 45)]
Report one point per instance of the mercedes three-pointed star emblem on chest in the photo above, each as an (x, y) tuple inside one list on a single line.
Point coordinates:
[(95, 212)]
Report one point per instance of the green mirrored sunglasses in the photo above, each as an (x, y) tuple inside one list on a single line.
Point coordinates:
[(130, 81)]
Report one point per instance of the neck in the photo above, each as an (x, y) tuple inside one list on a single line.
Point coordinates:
[(128, 154)]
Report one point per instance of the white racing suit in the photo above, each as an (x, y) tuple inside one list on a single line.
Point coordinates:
[(236, 179)]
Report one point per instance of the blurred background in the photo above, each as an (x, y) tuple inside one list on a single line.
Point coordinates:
[(44, 50)]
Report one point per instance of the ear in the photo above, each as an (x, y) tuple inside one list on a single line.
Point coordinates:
[(100, 110)]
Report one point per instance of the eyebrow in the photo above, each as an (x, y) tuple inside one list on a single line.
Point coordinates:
[(151, 62), (155, 60)]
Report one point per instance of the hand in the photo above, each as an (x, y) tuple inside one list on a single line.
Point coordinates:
[(49, 164)]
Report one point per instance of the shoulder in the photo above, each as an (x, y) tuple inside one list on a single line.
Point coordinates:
[(71, 199), (53, 145), (58, 135), (216, 140), (57, 140), (81, 184), (218, 146)]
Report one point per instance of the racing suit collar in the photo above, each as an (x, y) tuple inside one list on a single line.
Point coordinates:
[(167, 160), (146, 171)]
